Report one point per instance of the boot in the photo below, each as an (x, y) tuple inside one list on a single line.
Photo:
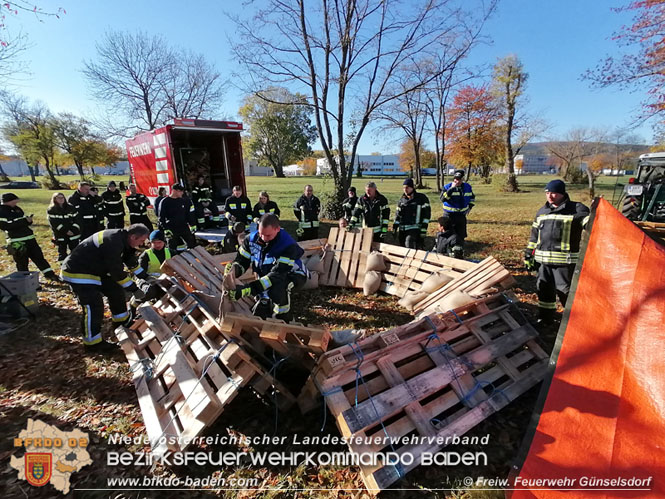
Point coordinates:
[(52, 276), (102, 347)]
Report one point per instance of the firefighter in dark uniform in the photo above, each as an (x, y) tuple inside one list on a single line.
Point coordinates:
[(96, 268), (150, 263), (161, 195), (86, 210), (21, 242), (137, 205), (412, 216), (374, 212), (554, 247), (202, 197), (276, 259), (62, 218), (237, 207), (205, 215), (177, 218), (114, 209), (447, 242), (265, 205), (306, 211), (458, 200), (350, 204), (233, 238), (97, 200)]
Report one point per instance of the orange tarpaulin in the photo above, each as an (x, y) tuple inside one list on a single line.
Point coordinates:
[(603, 419)]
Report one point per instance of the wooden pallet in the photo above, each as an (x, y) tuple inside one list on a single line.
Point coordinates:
[(436, 386), (350, 249), (487, 277), (407, 269)]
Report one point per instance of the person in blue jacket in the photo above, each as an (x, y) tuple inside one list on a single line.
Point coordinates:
[(276, 258), (458, 201)]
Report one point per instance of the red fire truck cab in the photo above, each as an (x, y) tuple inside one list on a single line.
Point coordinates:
[(185, 150)]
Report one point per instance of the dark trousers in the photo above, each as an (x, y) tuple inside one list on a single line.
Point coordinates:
[(410, 238), (141, 219), (553, 281), (90, 297), (179, 239), (31, 251), (458, 221), (276, 301), (115, 222), (89, 226), (63, 244), (311, 233)]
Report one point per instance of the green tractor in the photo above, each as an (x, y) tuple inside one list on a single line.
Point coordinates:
[(643, 198)]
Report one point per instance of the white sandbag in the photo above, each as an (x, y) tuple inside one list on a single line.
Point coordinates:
[(375, 261), (312, 282), (372, 283), (346, 336), (315, 264), (434, 282), (455, 300), (410, 300), (229, 281)]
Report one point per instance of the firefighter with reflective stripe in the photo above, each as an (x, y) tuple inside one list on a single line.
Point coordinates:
[(233, 238), (205, 215), (96, 268), (458, 200), (265, 205), (447, 242), (554, 246), (114, 209), (201, 191), (374, 212), (177, 218), (237, 207), (276, 258), (150, 263), (350, 204), (62, 218), (203, 202), (98, 202), (21, 242), (306, 210), (137, 205), (86, 210), (412, 216), (161, 195)]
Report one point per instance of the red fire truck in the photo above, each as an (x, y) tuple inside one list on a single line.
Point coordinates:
[(183, 151)]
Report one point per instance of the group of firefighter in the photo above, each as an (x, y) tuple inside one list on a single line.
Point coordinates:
[(104, 262)]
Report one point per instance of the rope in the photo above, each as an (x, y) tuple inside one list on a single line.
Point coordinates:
[(273, 373), (325, 394), (147, 366)]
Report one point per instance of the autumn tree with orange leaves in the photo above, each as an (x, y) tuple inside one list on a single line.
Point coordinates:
[(472, 130)]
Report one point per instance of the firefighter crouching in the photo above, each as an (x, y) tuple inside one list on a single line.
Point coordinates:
[(137, 205), (21, 242), (412, 217), (62, 218), (306, 209), (96, 268), (276, 259), (177, 219), (554, 247), (374, 212)]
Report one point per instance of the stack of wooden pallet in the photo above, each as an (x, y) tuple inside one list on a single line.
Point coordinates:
[(349, 249), (436, 377)]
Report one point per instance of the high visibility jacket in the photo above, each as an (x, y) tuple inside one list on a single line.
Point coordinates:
[(262, 209), (137, 204), (151, 260), (113, 205), (176, 214), (348, 206), (240, 208), (457, 199), (86, 207), (105, 253), (374, 213), (201, 193), (413, 212), (272, 261), (307, 210), (62, 220), (556, 232), (15, 224)]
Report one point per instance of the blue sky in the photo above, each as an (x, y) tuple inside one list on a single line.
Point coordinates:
[(555, 39)]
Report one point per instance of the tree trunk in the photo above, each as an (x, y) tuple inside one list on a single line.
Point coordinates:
[(279, 170), (32, 173), (511, 184), (92, 170), (79, 167), (49, 171), (3, 174), (592, 181)]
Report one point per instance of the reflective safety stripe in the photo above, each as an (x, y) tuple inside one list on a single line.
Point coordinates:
[(88, 337), (120, 317), (126, 282), (287, 261), (80, 278), (451, 209), (98, 238), (47, 269), (468, 194), (265, 282), (547, 305), (243, 252), (565, 234), (88, 216), (531, 245), (72, 238), (315, 223), (19, 239), (585, 221), (556, 257), (136, 270), (305, 225)]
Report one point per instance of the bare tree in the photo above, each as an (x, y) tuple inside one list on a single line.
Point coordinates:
[(148, 83), (344, 55)]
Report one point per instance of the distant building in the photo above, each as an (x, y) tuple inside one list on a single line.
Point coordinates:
[(252, 169), (19, 168), (294, 171), (370, 164)]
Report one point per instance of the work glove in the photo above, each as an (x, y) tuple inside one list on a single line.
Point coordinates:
[(168, 233), (348, 228), (300, 231), (239, 292), (138, 294), (529, 260), (193, 228)]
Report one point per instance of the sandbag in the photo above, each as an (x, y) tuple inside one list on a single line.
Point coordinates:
[(434, 282), (410, 300), (229, 282), (455, 300), (315, 264), (372, 282), (346, 336), (312, 282), (375, 261)]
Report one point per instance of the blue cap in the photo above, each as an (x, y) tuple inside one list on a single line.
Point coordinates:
[(556, 186), (409, 182), (157, 235)]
